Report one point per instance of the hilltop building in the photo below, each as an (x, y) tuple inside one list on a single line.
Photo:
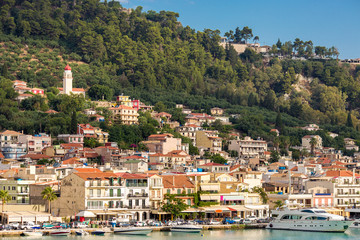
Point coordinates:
[(68, 82)]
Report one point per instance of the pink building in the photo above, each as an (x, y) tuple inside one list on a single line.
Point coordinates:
[(163, 143), (135, 104), (322, 200)]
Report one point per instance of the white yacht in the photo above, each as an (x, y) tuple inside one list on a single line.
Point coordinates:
[(186, 228), (133, 231), (311, 219)]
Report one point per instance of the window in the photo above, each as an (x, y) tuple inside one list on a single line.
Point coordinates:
[(99, 192), (13, 198), (189, 191), (137, 202), (13, 188), (91, 192), (168, 191), (189, 202), (179, 191), (119, 192)]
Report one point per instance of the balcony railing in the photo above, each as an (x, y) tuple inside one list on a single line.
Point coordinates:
[(138, 195)]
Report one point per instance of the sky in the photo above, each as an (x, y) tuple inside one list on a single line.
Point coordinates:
[(325, 22)]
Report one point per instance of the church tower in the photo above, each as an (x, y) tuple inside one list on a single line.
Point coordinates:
[(67, 80)]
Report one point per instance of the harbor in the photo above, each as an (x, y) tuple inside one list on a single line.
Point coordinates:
[(258, 234), (46, 232)]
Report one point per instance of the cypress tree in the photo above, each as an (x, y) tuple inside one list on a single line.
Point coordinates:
[(278, 123), (73, 125), (349, 122)]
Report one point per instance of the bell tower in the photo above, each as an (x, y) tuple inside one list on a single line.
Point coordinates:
[(67, 80)]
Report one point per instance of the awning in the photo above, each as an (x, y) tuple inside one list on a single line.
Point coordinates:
[(257, 207), (193, 210), (210, 197), (217, 209), (210, 187), (86, 214)]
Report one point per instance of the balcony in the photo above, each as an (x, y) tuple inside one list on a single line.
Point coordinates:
[(137, 195), (139, 207), (105, 196)]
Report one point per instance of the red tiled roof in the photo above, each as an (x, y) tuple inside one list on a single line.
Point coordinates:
[(177, 181), (340, 173), (35, 156), (212, 164), (94, 175), (87, 170), (1, 155), (73, 160), (131, 175)]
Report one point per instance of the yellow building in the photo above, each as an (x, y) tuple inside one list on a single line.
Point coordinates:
[(209, 140), (124, 100), (127, 115)]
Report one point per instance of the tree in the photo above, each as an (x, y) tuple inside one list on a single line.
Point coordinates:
[(173, 205), (49, 195), (160, 107), (274, 156), (278, 204), (73, 126), (278, 44), (279, 124), (256, 39), (100, 92), (5, 198), (349, 122), (246, 33), (313, 143), (262, 193), (237, 35), (217, 158)]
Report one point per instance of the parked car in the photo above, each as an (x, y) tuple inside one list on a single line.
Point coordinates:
[(14, 225), (80, 225), (47, 226), (60, 225), (199, 221), (228, 220), (247, 221), (252, 218), (237, 220), (214, 222), (29, 225)]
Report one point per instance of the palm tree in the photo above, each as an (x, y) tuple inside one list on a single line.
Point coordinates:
[(313, 143), (5, 198), (278, 204), (49, 194), (276, 143)]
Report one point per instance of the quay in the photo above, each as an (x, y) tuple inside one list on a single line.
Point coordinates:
[(17, 233)]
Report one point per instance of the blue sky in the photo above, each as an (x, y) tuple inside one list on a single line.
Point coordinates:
[(325, 22)]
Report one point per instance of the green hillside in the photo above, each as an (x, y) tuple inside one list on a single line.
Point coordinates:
[(151, 56)]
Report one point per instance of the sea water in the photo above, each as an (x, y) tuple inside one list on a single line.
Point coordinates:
[(256, 234)]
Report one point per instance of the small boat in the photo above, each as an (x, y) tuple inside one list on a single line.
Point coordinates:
[(60, 233), (133, 231), (98, 233), (186, 228), (81, 233), (32, 234)]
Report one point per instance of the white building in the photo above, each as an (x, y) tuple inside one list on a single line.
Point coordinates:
[(249, 147), (36, 143), (307, 139)]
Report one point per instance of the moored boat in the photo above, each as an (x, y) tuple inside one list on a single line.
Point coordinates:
[(81, 232), (310, 220), (186, 228), (133, 231), (32, 234), (60, 233), (98, 233)]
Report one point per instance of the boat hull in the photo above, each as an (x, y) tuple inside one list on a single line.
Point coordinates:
[(32, 234), (133, 231), (60, 233), (98, 233), (186, 229), (310, 226)]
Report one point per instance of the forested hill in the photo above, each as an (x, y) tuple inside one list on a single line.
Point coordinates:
[(152, 56)]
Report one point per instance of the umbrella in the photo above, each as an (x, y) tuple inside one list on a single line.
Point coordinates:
[(87, 214)]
